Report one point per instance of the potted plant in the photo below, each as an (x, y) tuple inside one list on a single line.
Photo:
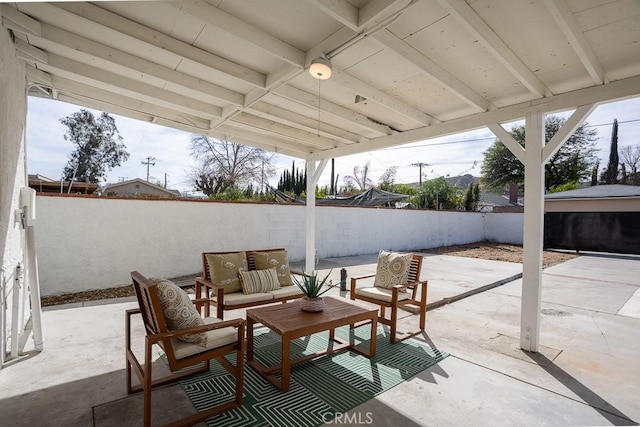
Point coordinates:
[(311, 286)]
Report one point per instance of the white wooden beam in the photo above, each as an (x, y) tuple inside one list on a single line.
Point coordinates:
[(127, 103), (533, 232), (92, 75), (158, 40), (191, 84), (508, 140), (470, 20), (244, 31), (574, 122), (248, 134), (269, 127), (378, 10), (38, 76), (17, 21), (442, 76), (314, 170), (358, 87), (329, 107), (29, 53), (305, 123), (619, 89), (126, 111), (569, 26), (340, 10)]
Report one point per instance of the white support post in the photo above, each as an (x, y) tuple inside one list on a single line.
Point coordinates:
[(314, 171), (533, 232)]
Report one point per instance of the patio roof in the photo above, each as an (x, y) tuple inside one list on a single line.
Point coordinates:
[(403, 70)]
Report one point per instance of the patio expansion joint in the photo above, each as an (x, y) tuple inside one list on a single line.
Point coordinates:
[(449, 300)]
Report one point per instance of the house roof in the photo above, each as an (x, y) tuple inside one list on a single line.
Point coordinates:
[(139, 181), (403, 70), (597, 192)]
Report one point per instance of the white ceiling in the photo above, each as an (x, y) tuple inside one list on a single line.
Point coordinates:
[(237, 69)]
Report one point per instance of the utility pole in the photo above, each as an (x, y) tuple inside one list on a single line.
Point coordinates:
[(150, 161), (420, 165), (332, 190)]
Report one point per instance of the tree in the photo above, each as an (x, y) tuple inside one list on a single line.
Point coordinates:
[(610, 175), (472, 197), (572, 162), (99, 146), (439, 194), (630, 156), (224, 165), (388, 178), (360, 177), (293, 181)]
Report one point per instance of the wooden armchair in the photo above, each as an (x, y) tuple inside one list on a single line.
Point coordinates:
[(223, 337), (395, 297)]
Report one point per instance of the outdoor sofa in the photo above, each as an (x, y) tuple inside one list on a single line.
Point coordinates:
[(242, 279)]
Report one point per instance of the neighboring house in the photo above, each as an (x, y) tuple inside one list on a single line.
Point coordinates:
[(138, 187), (42, 184), (599, 198), (494, 202)]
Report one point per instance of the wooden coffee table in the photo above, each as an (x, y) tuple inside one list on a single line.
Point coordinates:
[(288, 321)]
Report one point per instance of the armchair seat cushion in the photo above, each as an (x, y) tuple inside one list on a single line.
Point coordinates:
[(215, 338), (381, 294), (237, 298)]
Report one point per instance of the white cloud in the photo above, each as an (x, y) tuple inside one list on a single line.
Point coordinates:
[(452, 155)]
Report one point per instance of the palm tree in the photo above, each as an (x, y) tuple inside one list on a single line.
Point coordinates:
[(360, 177)]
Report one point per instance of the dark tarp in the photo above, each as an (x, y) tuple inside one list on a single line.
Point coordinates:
[(371, 197)]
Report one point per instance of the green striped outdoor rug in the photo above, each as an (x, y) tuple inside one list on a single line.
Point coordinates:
[(320, 389)]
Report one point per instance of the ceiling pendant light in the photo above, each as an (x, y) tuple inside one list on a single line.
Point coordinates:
[(320, 68)]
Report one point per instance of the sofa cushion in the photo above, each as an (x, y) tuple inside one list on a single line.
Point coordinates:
[(214, 338), (278, 260), (178, 310), (224, 268), (256, 281), (287, 292), (238, 298), (392, 269)]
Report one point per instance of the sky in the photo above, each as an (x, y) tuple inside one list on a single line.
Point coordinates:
[(47, 150)]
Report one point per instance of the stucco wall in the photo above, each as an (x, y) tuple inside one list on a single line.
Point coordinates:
[(12, 173), (92, 243), (504, 227)]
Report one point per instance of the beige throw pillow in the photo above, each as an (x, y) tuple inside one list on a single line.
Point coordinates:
[(278, 260), (179, 311), (393, 269), (224, 270), (259, 281)]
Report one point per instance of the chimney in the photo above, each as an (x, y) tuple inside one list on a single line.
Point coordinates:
[(513, 194)]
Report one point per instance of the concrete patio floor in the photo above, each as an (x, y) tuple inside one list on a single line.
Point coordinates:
[(586, 373)]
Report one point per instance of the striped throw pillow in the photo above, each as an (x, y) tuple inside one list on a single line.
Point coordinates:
[(259, 281)]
